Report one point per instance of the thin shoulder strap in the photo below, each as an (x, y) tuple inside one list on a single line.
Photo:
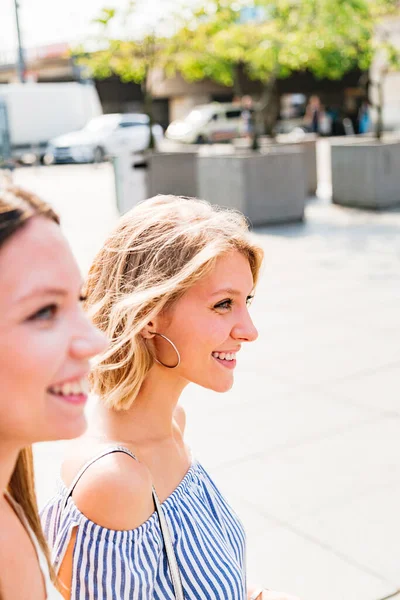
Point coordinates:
[(169, 549), (166, 534), (90, 462)]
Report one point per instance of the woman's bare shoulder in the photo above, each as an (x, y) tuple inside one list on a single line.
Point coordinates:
[(115, 492)]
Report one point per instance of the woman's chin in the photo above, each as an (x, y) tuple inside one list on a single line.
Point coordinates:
[(222, 386), (72, 429)]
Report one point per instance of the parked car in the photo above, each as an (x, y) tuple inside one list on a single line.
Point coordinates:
[(207, 123), (218, 122), (103, 137)]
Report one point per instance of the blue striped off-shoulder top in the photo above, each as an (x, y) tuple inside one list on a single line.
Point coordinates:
[(208, 540)]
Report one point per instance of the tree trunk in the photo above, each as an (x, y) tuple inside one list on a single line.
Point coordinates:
[(237, 87), (266, 114), (379, 108), (271, 108), (148, 109)]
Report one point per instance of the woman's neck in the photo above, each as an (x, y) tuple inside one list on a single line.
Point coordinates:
[(8, 459), (150, 419)]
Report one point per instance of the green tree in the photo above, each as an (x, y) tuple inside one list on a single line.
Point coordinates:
[(134, 57), (386, 60), (325, 37), (192, 52)]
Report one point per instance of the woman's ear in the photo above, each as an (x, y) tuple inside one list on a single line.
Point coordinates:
[(149, 330)]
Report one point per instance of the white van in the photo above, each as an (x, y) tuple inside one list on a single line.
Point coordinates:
[(38, 112), (207, 123)]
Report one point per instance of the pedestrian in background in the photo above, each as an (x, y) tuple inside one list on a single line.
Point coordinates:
[(171, 288), (325, 122), (45, 346), (364, 119), (313, 114), (248, 117)]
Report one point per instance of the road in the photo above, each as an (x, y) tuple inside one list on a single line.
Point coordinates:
[(307, 444)]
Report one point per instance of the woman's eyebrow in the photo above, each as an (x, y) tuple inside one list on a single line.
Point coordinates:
[(43, 291), (229, 291)]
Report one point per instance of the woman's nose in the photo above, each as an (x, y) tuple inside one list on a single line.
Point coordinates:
[(245, 330), (89, 343)]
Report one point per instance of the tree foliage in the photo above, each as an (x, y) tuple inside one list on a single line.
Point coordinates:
[(217, 40), (132, 58), (193, 50), (328, 38)]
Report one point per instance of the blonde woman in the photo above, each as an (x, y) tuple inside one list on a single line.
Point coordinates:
[(171, 288), (45, 346)]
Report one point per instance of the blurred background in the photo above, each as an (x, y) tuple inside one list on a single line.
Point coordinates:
[(288, 110)]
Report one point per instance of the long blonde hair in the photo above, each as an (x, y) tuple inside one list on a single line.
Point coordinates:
[(157, 251), (17, 207)]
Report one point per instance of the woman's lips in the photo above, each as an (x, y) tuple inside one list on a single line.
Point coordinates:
[(76, 399), (228, 364), (74, 392)]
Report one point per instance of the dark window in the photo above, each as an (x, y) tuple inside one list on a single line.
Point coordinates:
[(233, 114), (125, 124)]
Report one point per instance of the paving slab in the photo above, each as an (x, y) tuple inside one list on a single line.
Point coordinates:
[(265, 421), (84, 196), (363, 527), (318, 571), (379, 388), (319, 474)]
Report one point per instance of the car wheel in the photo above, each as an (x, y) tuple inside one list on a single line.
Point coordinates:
[(48, 159), (201, 140), (98, 155)]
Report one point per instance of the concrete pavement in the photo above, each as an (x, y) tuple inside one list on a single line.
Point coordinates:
[(307, 444)]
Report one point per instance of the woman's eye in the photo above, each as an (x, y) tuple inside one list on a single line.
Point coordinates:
[(45, 314), (225, 305)]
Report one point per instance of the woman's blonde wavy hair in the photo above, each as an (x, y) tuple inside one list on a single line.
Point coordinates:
[(158, 250)]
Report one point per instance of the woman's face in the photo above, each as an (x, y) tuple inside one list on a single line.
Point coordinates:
[(209, 324), (45, 339)]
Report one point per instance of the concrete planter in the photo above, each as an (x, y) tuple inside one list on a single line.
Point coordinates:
[(307, 142), (366, 174), (172, 173), (268, 187), (130, 181)]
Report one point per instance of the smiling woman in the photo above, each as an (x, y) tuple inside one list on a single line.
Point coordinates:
[(171, 288), (45, 342)]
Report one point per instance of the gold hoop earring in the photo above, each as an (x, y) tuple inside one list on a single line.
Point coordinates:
[(174, 347)]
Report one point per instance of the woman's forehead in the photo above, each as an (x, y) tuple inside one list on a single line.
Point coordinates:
[(231, 273), (36, 257)]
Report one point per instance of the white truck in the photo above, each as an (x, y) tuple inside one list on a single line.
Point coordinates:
[(38, 112)]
